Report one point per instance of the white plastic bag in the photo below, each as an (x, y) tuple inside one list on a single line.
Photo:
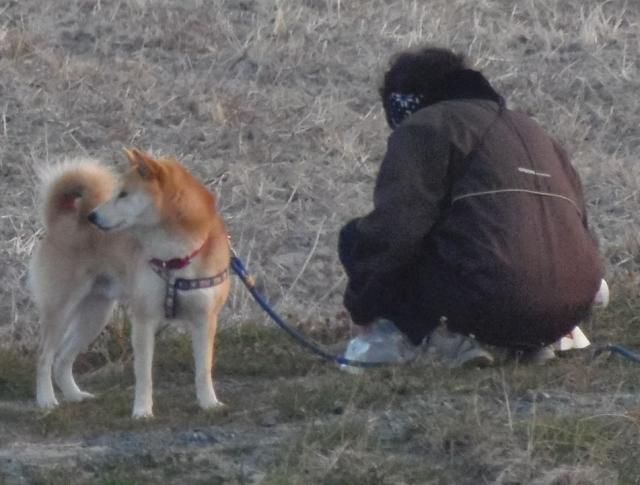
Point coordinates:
[(382, 342)]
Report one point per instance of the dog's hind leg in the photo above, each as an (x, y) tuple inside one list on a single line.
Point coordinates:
[(57, 300), (203, 336), (53, 326), (90, 318)]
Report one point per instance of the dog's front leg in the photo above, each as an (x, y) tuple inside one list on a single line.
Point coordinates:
[(143, 339), (203, 336)]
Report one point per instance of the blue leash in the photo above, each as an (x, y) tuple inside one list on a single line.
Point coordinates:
[(239, 269), (621, 350)]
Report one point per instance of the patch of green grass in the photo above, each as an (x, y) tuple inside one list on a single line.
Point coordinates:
[(248, 350), (173, 355), (258, 350), (17, 375), (335, 392), (111, 410), (175, 405)]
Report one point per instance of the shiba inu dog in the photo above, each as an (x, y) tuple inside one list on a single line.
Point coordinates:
[(153, 240)]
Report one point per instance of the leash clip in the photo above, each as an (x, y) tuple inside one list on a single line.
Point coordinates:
[(239, 268)]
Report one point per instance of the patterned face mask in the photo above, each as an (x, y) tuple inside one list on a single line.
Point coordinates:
[(402, 105)]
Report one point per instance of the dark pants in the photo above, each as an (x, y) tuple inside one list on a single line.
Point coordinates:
[(416, 298), (496, 311)]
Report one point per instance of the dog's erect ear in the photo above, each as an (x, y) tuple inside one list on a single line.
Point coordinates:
[(146, 166)]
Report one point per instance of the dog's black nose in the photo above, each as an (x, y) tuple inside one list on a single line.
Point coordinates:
[(92, 217)]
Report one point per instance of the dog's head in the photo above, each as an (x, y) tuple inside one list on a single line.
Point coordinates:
[(139, 198)]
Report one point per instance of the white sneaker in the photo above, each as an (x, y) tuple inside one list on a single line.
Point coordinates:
[(458, 350), (382, 342), (576, 339)]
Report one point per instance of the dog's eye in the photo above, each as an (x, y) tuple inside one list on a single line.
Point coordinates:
[(123, 193)]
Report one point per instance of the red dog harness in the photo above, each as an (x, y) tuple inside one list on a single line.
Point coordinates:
[(165, 268)]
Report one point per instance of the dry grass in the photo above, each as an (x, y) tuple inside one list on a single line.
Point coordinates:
[(274, 104)]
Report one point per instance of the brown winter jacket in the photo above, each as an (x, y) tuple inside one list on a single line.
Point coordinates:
[(488, 204)]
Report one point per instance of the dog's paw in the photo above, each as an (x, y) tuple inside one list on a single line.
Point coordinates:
[(47, 403), (212, 405), (79, 396), (142, 413)]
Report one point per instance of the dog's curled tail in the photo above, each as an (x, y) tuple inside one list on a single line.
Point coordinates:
[(74, 187)]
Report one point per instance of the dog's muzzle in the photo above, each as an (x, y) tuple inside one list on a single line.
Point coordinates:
[(93, 219)]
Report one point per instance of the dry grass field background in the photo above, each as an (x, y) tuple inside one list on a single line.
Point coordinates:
[(274, 104)]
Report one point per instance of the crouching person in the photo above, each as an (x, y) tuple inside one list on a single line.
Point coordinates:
[(479, 221)]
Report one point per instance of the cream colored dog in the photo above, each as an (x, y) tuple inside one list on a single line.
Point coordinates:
[(155, 240)]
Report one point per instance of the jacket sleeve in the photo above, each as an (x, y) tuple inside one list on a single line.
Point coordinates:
[(408, 195)]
